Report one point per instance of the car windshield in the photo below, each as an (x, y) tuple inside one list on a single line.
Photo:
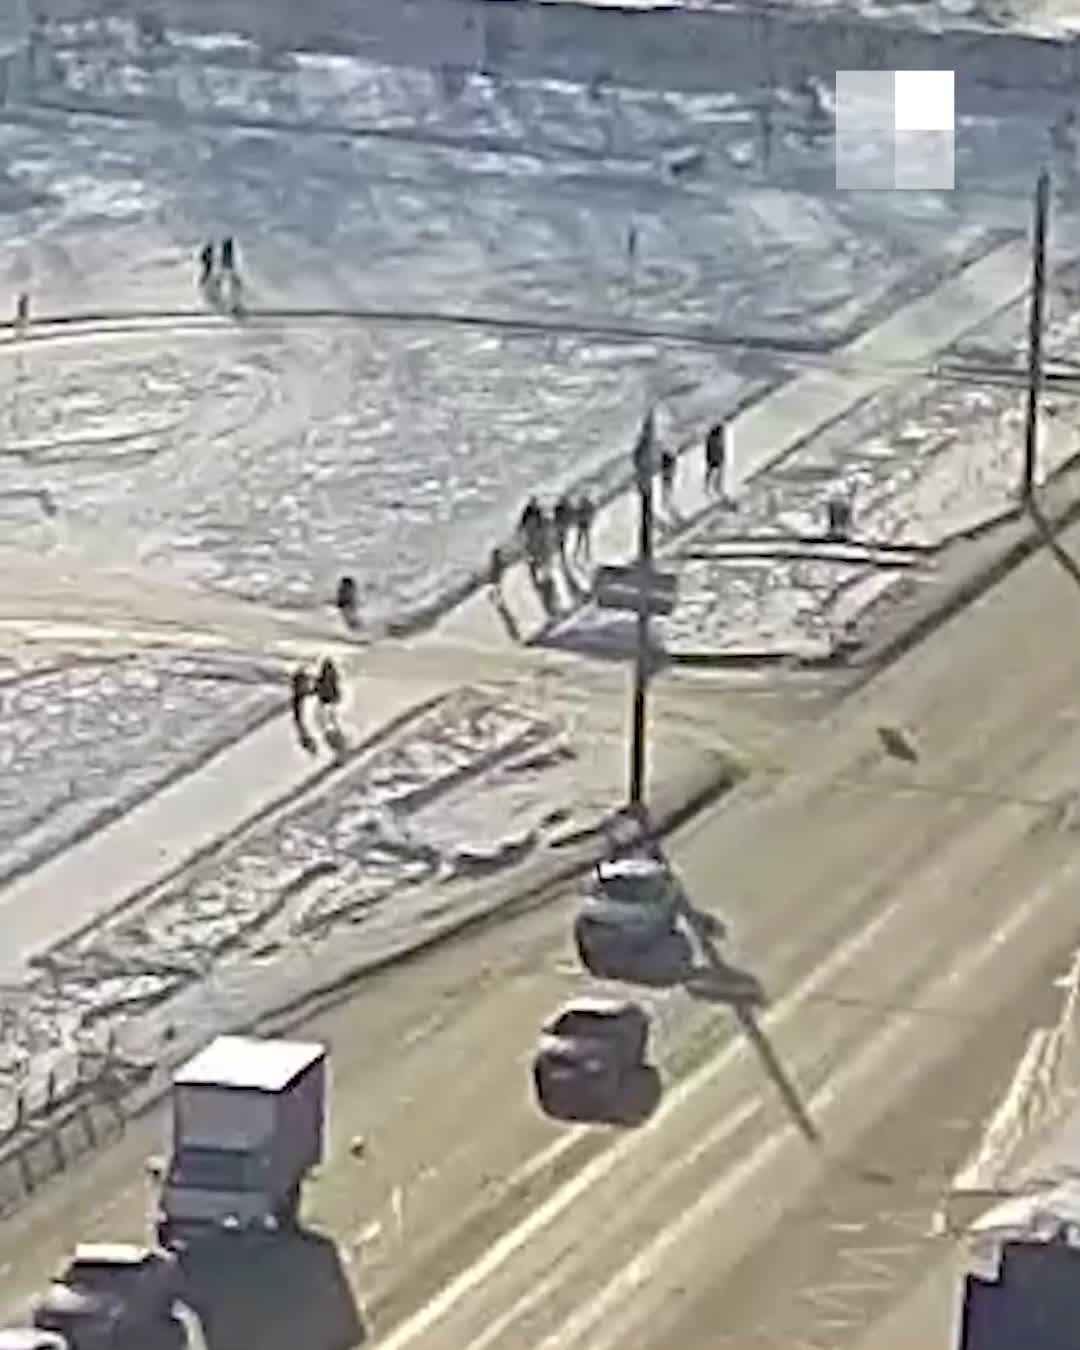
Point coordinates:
[(211, 1169), (639, 889), (582, 1024)]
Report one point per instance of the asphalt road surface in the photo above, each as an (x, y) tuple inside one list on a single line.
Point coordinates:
[(907, 920)]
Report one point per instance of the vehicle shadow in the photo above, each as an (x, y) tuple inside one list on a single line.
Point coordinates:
[(274, 1296)]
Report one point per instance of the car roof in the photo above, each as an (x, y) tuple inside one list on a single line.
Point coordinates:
[(253, 1062), (111, 1253), (594, 1006)]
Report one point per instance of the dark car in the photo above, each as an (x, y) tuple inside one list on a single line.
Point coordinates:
[(628, 924), (110, 1295), (591, 1059)]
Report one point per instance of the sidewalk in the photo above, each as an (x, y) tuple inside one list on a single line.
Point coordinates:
[(771, 428)]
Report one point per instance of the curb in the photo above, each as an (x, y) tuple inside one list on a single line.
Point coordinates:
[(965, 593)]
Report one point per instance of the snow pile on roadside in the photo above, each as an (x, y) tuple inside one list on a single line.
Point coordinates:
[(464, 787), (1029, 1148)]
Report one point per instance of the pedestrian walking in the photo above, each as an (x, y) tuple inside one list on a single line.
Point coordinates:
[(716, 455), (328, 693), (838, 512), (22, 313), (206, 266), (632, 243), (228, 255), (563, 520), (346, 600), (584, 515), (496, 572), (532, 529), (302, 689), (667, 476)]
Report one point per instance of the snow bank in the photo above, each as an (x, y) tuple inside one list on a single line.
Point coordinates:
[(1025, 1166)]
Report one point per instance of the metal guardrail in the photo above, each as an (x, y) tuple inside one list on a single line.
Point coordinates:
[(46, 1136)]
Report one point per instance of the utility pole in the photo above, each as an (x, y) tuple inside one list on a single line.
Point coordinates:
[(1035, 331), (643, 474)]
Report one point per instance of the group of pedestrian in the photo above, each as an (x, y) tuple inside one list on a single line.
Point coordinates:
[(219, 275), (548, 536), (325, 688)]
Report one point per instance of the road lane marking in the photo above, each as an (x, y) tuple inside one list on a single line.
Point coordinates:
[(728, 1126), (408, 1332), (644, 1266)]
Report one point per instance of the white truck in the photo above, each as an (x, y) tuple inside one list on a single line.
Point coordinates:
[(247, 1127)]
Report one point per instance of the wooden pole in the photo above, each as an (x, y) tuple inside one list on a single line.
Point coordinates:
[(1035, 332)]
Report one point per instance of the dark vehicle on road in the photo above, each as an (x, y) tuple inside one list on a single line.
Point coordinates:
[(591, 1062), (110, 1296), (628, 926)]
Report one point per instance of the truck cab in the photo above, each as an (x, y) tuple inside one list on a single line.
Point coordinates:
[(248, 1123)]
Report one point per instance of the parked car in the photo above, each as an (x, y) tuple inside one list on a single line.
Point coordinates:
[(110, 1295), (591, 1060), (628, 926), (31, 1338)]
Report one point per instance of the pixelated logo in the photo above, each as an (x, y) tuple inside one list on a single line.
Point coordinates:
[(895, 129)]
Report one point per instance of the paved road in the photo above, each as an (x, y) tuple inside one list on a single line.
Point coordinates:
[(907, 920)]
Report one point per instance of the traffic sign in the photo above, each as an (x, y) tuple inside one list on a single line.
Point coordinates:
[(618, 587)]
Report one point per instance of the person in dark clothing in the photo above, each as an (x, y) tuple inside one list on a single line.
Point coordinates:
[(531, 517), (667, 476), (206, 265), (346, 600), (585, 514), (533, 530), (716, 458), (563, 520), (496, 572), (302, 689), (328, 692), (228, 255)]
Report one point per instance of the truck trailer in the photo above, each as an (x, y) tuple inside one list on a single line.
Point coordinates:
[(248, 1118)]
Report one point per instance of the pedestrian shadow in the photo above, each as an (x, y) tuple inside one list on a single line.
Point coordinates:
[(577, 591), (506, 618), (547, 592), (289, 1292)]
